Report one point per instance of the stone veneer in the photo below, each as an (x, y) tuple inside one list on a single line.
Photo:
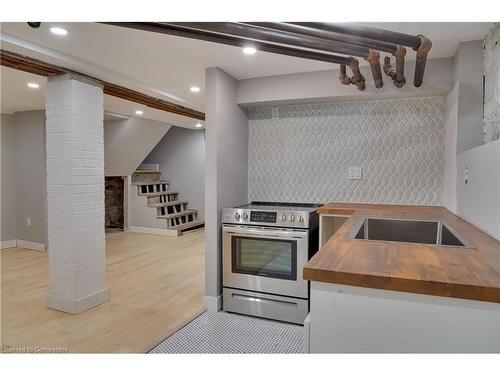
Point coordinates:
[(491, 120)]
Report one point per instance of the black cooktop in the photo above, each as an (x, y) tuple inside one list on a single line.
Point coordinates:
[(282, 206)]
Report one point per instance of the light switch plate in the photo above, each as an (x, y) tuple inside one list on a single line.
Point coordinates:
[(354, 173)]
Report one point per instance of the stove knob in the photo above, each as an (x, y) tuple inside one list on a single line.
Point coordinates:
[(292, 218), (301, 219), (283, 218), (245, 216), (237, 216)]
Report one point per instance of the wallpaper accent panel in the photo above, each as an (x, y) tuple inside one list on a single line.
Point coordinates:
[(301, 153)]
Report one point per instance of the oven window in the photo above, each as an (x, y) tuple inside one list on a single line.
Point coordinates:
[(264, 257)]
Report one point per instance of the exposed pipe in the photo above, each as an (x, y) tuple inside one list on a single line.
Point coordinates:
[(419, 43), (349, 39), (233, 41), (357, 78), (344, 78), (422, 52), (393, 37), (389, 71), (248, 31), (374, 60), (400, 67)]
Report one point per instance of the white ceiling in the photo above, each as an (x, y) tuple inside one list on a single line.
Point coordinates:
[(166, 66), (16, 96)]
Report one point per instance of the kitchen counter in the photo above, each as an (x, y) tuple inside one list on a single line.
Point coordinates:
[(471, 272)]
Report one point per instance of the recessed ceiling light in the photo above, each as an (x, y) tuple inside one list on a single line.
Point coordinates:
[(249, 50), (58, 30), (33, 85), (139, 112), (195, 89), (198, 125)]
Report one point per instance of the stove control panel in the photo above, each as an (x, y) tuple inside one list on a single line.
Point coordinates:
[(292, 219)]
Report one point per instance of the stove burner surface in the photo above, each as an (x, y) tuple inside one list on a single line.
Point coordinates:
[(281, 206)]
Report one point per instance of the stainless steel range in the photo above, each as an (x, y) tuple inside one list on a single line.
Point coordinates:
[(265, 247)]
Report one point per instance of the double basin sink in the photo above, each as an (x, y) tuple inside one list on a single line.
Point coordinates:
[(409, 231)]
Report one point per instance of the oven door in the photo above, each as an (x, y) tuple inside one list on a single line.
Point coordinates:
[(268, 260)]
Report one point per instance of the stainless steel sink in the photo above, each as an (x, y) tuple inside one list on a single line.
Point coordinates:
[(409, 231)]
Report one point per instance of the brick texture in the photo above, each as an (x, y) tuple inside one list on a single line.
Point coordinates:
[(75, 191)]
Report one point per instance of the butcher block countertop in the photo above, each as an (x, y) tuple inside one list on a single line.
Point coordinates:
[(471, 272)]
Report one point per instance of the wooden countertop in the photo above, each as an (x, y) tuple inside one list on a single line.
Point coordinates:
[(472, 272)]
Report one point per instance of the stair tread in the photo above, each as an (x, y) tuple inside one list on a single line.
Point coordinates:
[(145, 171), (165, 204), (140, 183), (158, 193), (183, 226), (178, 214)]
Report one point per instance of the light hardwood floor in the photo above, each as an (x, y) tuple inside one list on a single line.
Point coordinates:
[(156, 285)]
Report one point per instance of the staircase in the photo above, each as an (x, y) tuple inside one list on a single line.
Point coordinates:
[(175, 212)]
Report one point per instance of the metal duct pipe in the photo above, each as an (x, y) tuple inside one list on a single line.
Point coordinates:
[(234, 41), (268, 35), (328, 35), (422, 52), (393, 37), (374, 60)]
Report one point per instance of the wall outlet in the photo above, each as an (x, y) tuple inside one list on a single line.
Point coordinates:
[(28, 221), (354, 173)]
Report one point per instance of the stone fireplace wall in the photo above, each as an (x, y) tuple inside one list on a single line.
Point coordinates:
[(114, 202), (491, 120)]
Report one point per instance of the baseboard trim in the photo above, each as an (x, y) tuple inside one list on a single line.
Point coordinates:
[(31, 245), (213, 304), (8, 244), (77, 306), (148, 230)]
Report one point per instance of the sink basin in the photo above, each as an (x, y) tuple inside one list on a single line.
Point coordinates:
[(409, 231)]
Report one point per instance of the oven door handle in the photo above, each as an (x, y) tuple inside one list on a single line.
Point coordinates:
[(265, 233)]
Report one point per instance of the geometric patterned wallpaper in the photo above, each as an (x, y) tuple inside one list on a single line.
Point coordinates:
[(301, 153)]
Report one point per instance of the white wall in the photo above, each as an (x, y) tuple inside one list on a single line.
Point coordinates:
[(127, 142), (478, 201), (24, 177), (450, 151), (181, 156), (226, 177), (324, 86)]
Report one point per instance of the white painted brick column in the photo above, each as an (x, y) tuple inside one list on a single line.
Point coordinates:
[(75, 194)]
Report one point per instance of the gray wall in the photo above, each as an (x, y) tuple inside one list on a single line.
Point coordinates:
[(181, 155), (301, 153), (226, 172), (468, 72), (24, 189), (8, 199)]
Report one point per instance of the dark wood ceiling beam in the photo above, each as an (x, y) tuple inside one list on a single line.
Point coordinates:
[(35, 66)]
